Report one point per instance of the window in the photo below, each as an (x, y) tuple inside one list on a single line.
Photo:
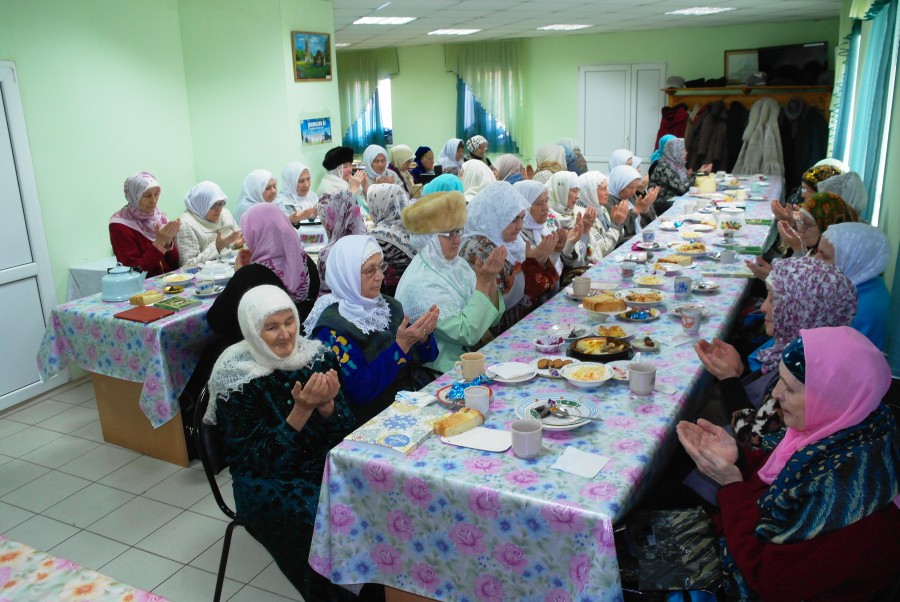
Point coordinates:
[(472, 119), (375, 125)]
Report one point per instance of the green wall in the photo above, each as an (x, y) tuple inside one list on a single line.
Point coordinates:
[(186, 89), (427, 93)]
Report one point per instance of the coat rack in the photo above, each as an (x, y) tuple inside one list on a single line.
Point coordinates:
[(812, 96)]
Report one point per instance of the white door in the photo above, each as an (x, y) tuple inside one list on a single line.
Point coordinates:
[(619, 107), (26, 286)]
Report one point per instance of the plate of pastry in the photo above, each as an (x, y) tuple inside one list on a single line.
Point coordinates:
[(549, 366)]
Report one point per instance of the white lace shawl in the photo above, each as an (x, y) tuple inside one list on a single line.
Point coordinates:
[(432, 280), (252, 358)]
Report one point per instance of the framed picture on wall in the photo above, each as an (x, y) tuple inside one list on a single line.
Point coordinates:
[(739, 65), (315, 131), (312, 56)]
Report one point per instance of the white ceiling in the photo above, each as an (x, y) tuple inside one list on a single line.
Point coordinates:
[(519, 18)]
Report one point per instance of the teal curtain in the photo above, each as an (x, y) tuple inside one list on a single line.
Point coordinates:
[(358, 74), (841, 116), (472, 118), (495, 73), (874, 96)]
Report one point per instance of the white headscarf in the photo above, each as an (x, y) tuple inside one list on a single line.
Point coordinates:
[(621, 156), (620, 177), (288, 199), (433, 280), (491, 211), (590, 181), (369, 155), (507, 165), (530, 191), (252, 192), (849, 186), (560, 184), (475, 176), (252, 358), (447, 158), (861, 251), (548, 155), (343, 277), (201, 198)]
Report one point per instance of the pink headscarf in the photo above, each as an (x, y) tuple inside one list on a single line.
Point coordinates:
[(276, 245), (131, 215), (846, 378)]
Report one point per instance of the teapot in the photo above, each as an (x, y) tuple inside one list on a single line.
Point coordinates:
[(121, 282), (706, 183)]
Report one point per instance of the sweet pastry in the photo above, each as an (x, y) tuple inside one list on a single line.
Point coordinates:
[(146, 298), (682, 260), (603, 302), (612, 331), (453, 424)]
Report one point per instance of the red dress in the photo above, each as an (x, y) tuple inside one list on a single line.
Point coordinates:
[(852, 563), (135, 250)]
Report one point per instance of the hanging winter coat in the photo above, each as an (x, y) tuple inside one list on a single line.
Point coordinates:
[(761, 152)]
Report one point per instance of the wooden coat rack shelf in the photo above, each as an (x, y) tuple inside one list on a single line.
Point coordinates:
[(814, 96)]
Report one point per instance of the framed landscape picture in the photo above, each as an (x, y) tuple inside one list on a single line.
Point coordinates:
[(740, 64), (312, 56)]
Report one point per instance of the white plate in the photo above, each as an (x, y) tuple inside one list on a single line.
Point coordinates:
[(531, 372), (642, 291), (638, 344), (654, 314), (710, 288), (550, 372), (181, 279), (690, 235), (635, 256), (216, 290), (704, 311), (702, 228), (619, 370), (219, 275), (597, 286), (571, 401), (669, 226), (763, 184), (565, 330), (649, 246), (630, 330), (721, 242), (689, 253), (667, 268), (713, 196), (648, 281)]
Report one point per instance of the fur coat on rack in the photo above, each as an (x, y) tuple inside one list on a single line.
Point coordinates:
[(761, 152)]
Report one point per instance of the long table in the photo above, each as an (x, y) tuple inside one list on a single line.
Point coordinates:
[(450, 523), (138, 370)]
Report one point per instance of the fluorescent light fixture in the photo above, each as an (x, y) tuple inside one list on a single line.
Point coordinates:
[(341, 45), (563, 27), (453, 32), (383, 20), (699, 11)]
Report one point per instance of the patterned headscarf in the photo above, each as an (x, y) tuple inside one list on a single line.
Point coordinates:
[(850, 187), (340, 217), (201, 198), (673, 157), (131, 215), (472, 145), (491, 211), (386, 203), (812, 176), (807, 293), (828, 209), (275, 244), (794, 358), (658, 153)]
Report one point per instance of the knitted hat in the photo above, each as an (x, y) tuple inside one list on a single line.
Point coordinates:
[(437, 212), (337, 156)]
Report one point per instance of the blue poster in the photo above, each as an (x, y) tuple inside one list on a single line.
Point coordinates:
[(316, 131)]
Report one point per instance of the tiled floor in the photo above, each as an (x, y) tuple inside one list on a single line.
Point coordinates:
[(142, 521)]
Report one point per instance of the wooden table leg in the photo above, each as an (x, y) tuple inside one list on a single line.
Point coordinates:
[(398, 595), (124, 424)]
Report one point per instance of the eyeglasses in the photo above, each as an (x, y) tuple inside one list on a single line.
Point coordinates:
[(370, 273), (801, 225), (451, 234), (218, 205)]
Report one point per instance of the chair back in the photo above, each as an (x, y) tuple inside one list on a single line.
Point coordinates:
[(210, 451)]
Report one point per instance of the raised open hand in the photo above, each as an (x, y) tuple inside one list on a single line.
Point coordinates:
[(712, 449), (720, 359)]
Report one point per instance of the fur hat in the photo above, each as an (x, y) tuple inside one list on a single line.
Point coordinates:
[(436, 212), (337, 156)]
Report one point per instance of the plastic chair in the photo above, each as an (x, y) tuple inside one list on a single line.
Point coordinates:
[(209, 450)]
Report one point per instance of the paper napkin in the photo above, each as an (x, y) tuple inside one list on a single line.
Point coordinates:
[(416, 398), (580, 463)]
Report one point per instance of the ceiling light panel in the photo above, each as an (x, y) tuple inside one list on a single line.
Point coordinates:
[(383, 20), (453, 32), (699, 11), (564, 27)]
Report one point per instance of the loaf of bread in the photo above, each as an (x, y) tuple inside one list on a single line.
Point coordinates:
[(146, 298), (464, 420), (603, 302), (682, 260)]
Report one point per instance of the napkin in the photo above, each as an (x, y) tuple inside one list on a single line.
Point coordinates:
[(416, 398), (580, 463), (511, 370), (679, 339)]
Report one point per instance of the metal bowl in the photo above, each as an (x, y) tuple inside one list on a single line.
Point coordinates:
[(614, 349)]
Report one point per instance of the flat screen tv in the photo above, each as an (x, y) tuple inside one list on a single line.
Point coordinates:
[(797, 64)]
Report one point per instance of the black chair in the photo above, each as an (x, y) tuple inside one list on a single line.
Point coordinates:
[(209, 450)]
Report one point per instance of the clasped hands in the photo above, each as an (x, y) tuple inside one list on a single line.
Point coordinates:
[(318, 394), (720, 359), (419, 331), (166, 234), (712, 449)]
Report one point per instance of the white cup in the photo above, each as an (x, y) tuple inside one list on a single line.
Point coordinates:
[(690, 320), (204, 287), (581, 286), (740, 194), (478, 398), (702, 202), (641, 378), (627, 268), (690, 207), (526, 437), (693, 190), (728, 256)]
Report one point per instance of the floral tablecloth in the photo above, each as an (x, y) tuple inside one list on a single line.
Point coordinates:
[(451, 523), (28, 575), (162, 354)]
